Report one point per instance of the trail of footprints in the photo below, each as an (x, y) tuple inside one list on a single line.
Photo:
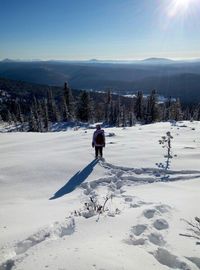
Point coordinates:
[(118, 177), (13, 255), (150, 234), (151, 231)]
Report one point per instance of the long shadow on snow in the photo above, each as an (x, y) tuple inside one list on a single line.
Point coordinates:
[(75, 180)]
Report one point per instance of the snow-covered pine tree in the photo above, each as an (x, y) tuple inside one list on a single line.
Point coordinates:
[(52, 108), (20, 116), (151, 109), (9, 118), (40, 108), (118, 112), (139, 106), (196, 114), (65, 111), (68, 103), (112, 118), (46, 115), (37, 115), (131, 115), (131, 119), (84, 107), (33, 127), (108, 106), (168, 109), (176, 111), (123, 116)]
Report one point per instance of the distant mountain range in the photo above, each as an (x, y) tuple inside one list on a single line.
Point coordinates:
[(154, 60), (151, 59), (170, 78)]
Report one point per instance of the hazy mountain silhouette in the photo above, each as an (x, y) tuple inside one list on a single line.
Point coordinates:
[(168, 77)]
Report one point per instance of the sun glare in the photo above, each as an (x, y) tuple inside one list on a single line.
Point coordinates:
[(179, 7)]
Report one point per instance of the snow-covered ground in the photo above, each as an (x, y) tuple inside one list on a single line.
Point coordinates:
[(46, 179)]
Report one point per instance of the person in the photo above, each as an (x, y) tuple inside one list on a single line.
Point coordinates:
[(98, 141)]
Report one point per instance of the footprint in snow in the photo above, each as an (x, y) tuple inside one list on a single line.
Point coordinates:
[(161, 224), (156, 239), (139, 229), (162, 208), (163, 256), (135, 241), (194, 260), (58, 230), (149, 213)]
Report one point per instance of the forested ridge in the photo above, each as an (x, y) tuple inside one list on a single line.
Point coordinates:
[(36, 107)]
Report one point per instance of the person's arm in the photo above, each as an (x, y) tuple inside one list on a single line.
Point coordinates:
[(93, 139), (104, 139)]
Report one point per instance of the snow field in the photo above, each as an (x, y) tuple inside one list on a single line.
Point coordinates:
[(44, 178)]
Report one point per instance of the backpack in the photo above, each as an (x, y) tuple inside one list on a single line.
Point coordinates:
[(100, 138)]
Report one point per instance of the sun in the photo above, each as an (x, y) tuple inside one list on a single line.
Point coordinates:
[(179, 7)]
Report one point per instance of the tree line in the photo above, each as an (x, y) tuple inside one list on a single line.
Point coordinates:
[(38, 114)]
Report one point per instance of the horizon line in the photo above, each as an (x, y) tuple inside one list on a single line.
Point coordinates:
[(99, 59)]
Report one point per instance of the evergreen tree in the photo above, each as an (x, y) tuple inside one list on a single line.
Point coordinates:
[(112, 119), (32, 122), (84, 108), (68, 103), (151, 111), (115, 113), (109, 108), (139, 109), (198, 113), (46, 116), (168, 108), (91, 110), (38, 126), (52, 109), (187, 114), (40, 115), (9, 118), (131, 118), (14, 119), (163, 113), (65, 111), (176, 111), (118, 111), (20, 116), (123, 114)]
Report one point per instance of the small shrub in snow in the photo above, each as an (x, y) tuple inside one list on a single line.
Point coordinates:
[(194, 229), (165, 142), (93, 207)]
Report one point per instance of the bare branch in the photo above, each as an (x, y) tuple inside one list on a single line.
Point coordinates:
[(194, 227)]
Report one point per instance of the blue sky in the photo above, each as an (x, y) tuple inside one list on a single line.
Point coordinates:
[(102, 29)]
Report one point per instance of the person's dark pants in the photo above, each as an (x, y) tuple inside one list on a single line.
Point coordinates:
[(98, 151)]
